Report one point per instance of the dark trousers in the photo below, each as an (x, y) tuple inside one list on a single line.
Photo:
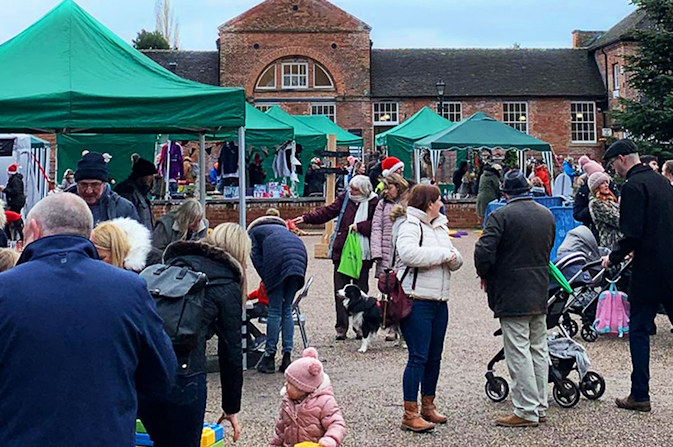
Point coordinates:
[(176, 421), (340, 281), (641, 326), (424, 331)]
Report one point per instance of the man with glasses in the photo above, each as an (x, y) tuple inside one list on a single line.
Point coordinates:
[(91, 185), (645, 217)]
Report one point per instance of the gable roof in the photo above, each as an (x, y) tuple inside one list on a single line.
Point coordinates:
[(199, 66), (315, 15), (623, 31), (486, 72)]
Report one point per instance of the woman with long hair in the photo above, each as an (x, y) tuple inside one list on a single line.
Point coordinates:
[(122, 242), (177, 420), (187, 223), (604, 209)]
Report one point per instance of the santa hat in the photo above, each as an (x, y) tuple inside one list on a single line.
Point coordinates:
[(390, 165), (12, 169)]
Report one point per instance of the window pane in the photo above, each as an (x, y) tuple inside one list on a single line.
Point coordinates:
[(515, 114), (268, 78), (583, 122), (322, 79)]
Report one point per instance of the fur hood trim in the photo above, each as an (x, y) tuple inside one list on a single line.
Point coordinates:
[(266, 220), (398, 211), (140, 242), (201, 248)]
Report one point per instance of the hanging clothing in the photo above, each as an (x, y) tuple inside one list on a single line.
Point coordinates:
[(282, 162), (176, 162), (228, 160)]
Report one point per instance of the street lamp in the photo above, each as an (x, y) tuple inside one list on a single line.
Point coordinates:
[(440, 85)]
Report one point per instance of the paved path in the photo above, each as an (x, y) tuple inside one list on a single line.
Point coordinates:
[(368, 386)]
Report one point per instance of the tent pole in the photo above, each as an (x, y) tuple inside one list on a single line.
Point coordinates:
[(241, 177), (417, 163), (202, 171)]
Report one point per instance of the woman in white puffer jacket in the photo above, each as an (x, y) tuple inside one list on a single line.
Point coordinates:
[(423, 248)]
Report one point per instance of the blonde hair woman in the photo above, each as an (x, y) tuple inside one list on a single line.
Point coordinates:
[(187, 223), (122, 242), (8, 258), (222, 256)]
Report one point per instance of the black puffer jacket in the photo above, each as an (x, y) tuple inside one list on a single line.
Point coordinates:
[(16, 198), (512, 256), (223, 311)]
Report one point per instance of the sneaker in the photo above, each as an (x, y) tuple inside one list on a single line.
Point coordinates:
[(514, 421), (267, 365), (287, 359), (627, 403)]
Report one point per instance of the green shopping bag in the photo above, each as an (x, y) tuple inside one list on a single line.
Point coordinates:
[(351, 256)]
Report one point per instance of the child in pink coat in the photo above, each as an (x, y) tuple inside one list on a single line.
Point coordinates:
[(309, 410)]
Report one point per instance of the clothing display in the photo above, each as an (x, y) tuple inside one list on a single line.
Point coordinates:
[(174, 164)]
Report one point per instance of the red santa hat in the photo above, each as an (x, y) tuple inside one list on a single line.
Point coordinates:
[(390, 165), (12, 169)]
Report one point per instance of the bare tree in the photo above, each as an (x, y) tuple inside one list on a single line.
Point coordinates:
[(166, 23)]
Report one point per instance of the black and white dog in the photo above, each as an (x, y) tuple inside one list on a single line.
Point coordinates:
[(364, 313)]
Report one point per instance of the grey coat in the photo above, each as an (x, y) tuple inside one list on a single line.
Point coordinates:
[(489, 190), (512, 256), (166, 232)]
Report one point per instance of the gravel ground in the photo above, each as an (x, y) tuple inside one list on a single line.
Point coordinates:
[(369, 390)]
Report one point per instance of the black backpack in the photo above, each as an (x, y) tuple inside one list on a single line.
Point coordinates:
[(179, 293)]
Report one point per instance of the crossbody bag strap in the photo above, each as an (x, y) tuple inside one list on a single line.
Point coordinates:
[(406, 271), (338, 223)]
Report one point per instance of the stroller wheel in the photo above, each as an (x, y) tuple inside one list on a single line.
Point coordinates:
[(570, 325), (593, 385), (497, 389), (588, 333), (566, 393)]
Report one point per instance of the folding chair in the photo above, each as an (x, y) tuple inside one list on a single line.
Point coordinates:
[(297, 316)]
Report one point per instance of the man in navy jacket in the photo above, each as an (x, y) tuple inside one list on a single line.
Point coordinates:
[(78, 338)]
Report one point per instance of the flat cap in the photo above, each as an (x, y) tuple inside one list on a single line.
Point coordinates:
[(620, 147)]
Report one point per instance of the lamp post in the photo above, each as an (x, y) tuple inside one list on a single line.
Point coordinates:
[(440, 85)]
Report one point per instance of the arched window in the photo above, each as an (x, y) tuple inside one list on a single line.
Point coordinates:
[(268, 79), (321, 79)]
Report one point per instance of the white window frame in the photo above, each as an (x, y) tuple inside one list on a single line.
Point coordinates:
[(615, 76), (393, 110), (264, 106), (299, 76), (275, 80), (509, 108), (450, 114), (585, 107), (321, 109), (317, 66)]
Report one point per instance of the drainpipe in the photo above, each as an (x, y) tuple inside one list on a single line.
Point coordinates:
[(607, 88)]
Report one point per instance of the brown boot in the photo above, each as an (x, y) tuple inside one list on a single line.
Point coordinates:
[(413, 421), (429, 411)]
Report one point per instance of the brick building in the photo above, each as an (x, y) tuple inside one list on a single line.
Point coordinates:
[(312, 57)]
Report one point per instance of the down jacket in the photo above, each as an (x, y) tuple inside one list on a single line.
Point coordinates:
[(316, 418), (277, 253), (433, 257), (382, 236)]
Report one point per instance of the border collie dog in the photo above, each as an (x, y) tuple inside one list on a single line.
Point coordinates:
[(363, 311)]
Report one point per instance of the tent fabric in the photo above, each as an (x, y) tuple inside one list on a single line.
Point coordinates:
[(329, 127), (400, 139), (260, 130), (480, 131), (70, 147), (68, 72)]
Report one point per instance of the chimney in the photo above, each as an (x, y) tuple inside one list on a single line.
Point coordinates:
[(583, 39)]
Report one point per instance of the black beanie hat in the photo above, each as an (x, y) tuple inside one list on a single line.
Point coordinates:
[(92, 166), (142, 168)]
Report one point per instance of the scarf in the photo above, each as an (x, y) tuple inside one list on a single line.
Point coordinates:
[(362, 215)]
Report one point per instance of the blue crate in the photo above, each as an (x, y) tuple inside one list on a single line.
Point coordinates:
[(143, 439)]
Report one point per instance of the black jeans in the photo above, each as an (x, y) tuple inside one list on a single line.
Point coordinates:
[(176, 421), (340, 281)]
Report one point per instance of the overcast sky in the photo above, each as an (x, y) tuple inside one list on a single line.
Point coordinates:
[(395, 23)]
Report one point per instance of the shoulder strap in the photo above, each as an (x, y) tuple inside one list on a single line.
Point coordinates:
[(338, 223), (406, 271)]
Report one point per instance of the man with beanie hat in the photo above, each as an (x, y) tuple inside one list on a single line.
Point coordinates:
[(136, 189), (309, 411), (512, 260), (91, 185), (646, 213)]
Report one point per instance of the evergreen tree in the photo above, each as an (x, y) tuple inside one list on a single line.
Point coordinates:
[(649, 118), (154, 40)]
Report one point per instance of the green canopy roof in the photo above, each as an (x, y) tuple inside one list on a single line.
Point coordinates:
[(70, 147), (481, 131), (260, 130), (329, 127), (400, 139), (69, 72)]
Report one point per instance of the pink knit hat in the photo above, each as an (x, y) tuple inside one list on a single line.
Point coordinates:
[(306, 373), (597, 179), (592, 167), (583, 160)]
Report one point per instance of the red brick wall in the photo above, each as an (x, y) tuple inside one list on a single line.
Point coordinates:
[(462, 214), (616, 54)]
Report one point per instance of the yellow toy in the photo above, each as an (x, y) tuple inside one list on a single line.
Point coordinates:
[(307, 444)]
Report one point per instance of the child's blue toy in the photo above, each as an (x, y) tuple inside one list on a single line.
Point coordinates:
[(143, 439)]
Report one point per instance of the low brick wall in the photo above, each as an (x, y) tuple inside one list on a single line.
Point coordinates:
[(462, 213)]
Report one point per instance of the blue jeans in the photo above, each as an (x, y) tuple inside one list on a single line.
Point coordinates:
[(176, 421), (280, 315), (424, 331)]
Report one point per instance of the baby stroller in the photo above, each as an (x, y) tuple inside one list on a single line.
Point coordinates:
[(565, 356)]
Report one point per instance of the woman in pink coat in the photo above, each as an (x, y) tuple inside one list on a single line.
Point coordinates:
[(309, 410)]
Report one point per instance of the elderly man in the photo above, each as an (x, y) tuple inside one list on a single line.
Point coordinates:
[(512, 259), (645, 217), (136, 188), (91, 179), (79, 338)]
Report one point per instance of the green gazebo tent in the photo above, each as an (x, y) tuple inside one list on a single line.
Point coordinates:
[(329, 127), (400, 139)]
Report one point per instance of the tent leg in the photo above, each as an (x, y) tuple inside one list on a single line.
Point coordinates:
[(202, 171), (417, 165), (241, 177)]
